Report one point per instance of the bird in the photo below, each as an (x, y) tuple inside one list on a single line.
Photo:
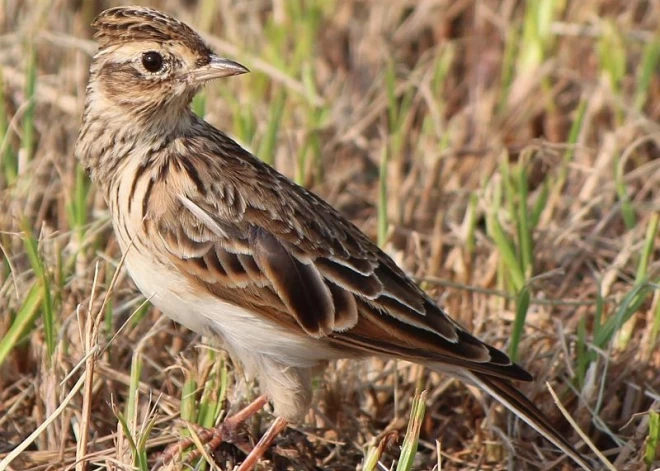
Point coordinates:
[(230, 248)]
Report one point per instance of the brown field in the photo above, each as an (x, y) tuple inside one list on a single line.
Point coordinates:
[(506, 153)]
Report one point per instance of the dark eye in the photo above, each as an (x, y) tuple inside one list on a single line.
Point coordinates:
[(152, 61)]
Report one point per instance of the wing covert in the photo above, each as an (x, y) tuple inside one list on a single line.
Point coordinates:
[(274, 247)]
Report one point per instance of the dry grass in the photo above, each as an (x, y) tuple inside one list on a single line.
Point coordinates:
[(506, 153)]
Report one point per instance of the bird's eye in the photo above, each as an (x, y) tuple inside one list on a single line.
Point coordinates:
[(152, 61)]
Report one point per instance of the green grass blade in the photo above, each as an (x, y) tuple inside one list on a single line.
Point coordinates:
[(371, 460), (627, 211), (140, 313), (600, 309), (32, 250), (269, 142), (134, 386), (539, 205), (143, 457), (78, 206), (8, 158), (573, 135), (471, 219), (655, 328), (530, 54), (390, 89), (524, 225), (522, 306), (648, 68), (653, 438), (507, 252), (128, 435), (612, 55), (647, 250), (411, 440), (28, 138), (630, 304), (210, 404), (375, 453), (581, 356), (511, 47), (188, 392), (23, 321)]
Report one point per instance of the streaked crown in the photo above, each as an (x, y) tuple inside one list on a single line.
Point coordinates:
[(134, 23)]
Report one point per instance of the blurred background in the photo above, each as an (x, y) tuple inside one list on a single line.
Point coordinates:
[(505, 153)]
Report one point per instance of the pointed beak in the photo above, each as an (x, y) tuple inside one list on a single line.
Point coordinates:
[(218, 67)]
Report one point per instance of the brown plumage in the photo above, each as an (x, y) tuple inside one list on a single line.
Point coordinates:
[(227, 246), (125, 24)]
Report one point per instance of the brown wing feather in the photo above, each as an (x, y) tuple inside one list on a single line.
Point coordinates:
[(299, 285), (261, 239), (346, 312), (366, 284)]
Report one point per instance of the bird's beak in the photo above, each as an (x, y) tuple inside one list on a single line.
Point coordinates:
[(218, 67)]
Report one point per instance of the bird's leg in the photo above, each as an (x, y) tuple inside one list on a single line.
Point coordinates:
[(257, 452), (227, 431)]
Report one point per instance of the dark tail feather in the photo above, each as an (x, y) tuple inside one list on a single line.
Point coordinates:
[(506, 393)]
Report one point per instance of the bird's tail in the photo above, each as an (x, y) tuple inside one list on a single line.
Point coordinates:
[(506, 393)]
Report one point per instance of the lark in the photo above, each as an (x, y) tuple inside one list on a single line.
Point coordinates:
[(230, 248)]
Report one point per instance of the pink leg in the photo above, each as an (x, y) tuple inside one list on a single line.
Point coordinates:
[(258, 451), (227, 431)]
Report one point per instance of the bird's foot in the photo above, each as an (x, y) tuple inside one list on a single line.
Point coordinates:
[(260, 448), (226, 432)]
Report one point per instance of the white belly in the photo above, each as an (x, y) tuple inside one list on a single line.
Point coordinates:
[(246, 334)]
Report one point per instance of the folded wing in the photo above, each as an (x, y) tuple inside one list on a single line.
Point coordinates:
[(285, 253)]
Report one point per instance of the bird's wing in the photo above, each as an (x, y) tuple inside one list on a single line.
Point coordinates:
[(251, 237), (254, 238)]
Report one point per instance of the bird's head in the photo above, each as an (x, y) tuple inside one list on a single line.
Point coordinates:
[(149, 64)]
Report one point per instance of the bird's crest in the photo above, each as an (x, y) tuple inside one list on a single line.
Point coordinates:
[(135, 23)]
